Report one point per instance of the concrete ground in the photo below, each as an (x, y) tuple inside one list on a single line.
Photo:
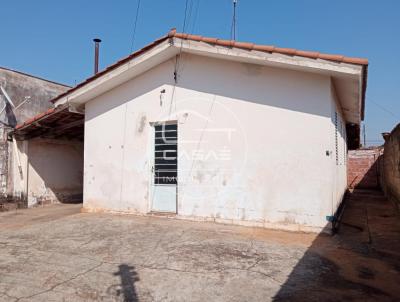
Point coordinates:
[(56, 253)]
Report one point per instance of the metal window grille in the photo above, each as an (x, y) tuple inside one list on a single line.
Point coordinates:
[(344, 142), (345, 146), (336, 138), (165, 154)]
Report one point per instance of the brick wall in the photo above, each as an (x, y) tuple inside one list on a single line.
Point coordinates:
[(362, 168), (389, 166)]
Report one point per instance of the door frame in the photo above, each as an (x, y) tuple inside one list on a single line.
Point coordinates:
[(152, 164)]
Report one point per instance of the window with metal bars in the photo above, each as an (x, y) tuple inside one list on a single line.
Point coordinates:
[(344, 145), (165, 154), (340, 143), (336, 138)]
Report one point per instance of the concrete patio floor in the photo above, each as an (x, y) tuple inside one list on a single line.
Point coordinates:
[(56, 253)]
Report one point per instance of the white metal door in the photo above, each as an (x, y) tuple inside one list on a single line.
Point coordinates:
[(165, 168)]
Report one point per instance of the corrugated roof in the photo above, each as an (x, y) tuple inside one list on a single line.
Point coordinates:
[(53, 123)]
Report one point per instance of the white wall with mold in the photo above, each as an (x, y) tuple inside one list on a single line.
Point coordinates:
[(277, 174), (52, 171)]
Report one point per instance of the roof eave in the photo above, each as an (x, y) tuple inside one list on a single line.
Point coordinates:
[(283, 57), (119, 73), (364, 90), (112, 67)]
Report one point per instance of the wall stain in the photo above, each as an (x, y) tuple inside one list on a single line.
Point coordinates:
[(142, 124)]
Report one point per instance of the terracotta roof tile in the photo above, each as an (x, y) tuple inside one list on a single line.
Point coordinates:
[(244, 45), (36, 118), (226, 43), (307, 54), (359, 61), (331, 57), (285, 51), (268, 48), (196, 37), (208, 40)]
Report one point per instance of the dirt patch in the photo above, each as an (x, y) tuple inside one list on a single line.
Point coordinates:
[(282, 237)]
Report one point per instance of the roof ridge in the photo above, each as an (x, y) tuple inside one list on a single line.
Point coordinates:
[(269, 48), (227, 43)]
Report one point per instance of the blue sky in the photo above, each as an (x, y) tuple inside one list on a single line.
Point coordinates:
[(53, 39)]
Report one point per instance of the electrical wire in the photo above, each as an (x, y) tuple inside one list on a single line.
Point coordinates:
[(190, 8), (196, 12), (185, 16), (384, 109), (177, 60), (134, 25), (180, 49)]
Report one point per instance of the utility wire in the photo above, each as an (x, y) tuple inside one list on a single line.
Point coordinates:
[(196, 12), (384, 109), (177, 61), (134, 25), (185, 17), (190, 8)]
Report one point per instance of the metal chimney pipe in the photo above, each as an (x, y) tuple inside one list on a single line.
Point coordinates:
[(96, 54)]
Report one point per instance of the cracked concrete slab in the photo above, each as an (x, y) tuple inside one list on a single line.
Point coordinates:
[(56, 253)]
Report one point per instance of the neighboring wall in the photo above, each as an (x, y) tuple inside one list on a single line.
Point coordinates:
[(363, 168), (390, 166), (281, 168), (53, 170), (23, 87), (35, 94)]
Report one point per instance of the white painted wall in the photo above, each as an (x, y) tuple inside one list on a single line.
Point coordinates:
[(280, 175), (52, 171), (19, 168), (340, 147)]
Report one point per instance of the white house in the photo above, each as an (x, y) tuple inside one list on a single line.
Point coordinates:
[(209, 129)]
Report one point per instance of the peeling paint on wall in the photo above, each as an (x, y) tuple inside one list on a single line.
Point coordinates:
[(31, 96), (278, 173), (142, 124)]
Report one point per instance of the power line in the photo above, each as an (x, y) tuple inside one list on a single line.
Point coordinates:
[(196, 12), (384, 109), (185, 16), (134, 25), (189, 13), (177, 60)]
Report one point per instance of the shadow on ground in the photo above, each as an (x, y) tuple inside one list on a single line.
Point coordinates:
[(128, 277), (56, 253), (361, 262)]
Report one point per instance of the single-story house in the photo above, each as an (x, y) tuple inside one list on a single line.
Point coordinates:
[(210, 129)]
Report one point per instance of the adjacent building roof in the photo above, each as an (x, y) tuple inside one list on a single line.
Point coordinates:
[(34, 76), (61, 122)]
